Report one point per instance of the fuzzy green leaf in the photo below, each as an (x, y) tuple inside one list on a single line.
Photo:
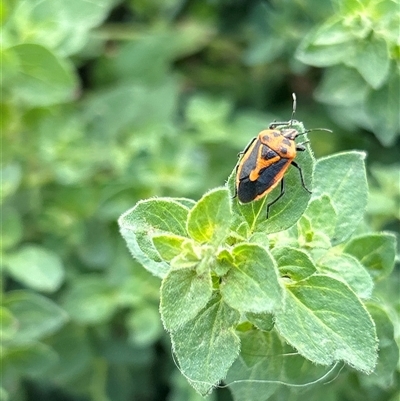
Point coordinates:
[(265, 362), (375, 251), (152, 217), (263, 321), (348, 269), (326, 322), (168, 246), (207, 346), (322, 215), (210, 219), (183, 295), (388, 350), (252, 284), (308, 237), (346, 187), (294, 263)]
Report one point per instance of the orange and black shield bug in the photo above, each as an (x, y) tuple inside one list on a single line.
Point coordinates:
[(267, 157)]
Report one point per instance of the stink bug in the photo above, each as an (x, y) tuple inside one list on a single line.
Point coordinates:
[(267, 157)]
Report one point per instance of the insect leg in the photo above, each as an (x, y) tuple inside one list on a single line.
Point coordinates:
[(275, 124), (301, 147), (279, 197), (301, 176)]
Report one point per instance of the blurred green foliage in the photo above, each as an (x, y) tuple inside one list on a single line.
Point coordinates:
[(105, 103)]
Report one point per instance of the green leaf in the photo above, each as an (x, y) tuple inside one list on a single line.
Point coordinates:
[(341, 86), (168, 246), (349, 7), (252, 284), (189, 203), (74, 349), (193, 256), (381, 107), (265, 50), (375, 251), (388, 350), (11, 175), (36, 315), (208, 115), (91, 300), (182, 391), (144, 326), (223, 263), (308, 237), (263, 321), (349, 270), (322, 215), (43, 78), (9, 325), (294, 263), (33, 360), (183, 295), (323, 56), (37, 268), (259, 238), (260, 359), (346, 187), (266, 362), (371, 59), (151, 218), (332, 32), (130, 105), (145, 58), (210, 219), (207, 345), (327, 45), (58, 25), (9, 66), (11, 229), (326, 322)]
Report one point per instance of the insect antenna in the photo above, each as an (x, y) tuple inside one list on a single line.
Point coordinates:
[(313, 129), (294, 107), (317, 129)]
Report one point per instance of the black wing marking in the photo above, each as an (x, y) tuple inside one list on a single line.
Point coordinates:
[(251, 160), (268, 176), (249, 190)]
